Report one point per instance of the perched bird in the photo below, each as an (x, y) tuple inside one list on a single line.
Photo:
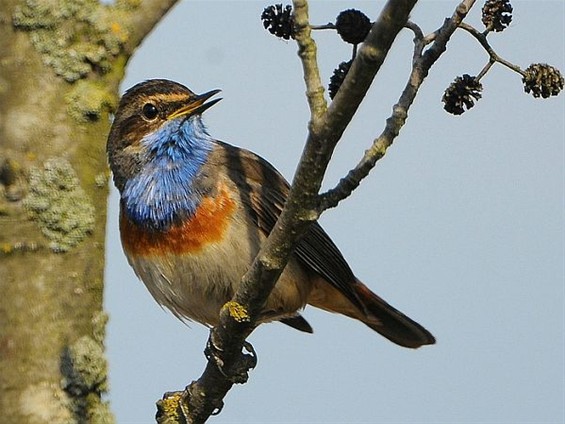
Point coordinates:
[(194, 212)]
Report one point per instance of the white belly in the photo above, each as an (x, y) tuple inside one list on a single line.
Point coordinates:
[(195, 285)]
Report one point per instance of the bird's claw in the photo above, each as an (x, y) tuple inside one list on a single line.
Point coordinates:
[(236, 372)]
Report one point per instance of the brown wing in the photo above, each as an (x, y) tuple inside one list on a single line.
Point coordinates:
[(264, 190)]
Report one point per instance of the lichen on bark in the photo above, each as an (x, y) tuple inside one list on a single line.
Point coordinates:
[(87, 100), (59, 205), (74, 37), (85, 369)]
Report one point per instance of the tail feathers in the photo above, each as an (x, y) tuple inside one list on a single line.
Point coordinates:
[(371, 310), (389, 322)]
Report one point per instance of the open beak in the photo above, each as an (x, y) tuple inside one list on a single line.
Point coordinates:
[(196, 105)]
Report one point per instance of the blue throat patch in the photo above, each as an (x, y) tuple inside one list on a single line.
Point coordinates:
[(163, 191)]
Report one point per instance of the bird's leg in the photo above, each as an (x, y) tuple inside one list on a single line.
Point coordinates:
[(238, 367)]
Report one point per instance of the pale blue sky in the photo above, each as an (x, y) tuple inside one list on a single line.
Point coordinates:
[(460, 226)]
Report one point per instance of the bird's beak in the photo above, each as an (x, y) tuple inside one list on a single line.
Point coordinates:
[(195, 105)]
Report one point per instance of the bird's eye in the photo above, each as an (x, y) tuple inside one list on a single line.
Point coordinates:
[(150, 111)]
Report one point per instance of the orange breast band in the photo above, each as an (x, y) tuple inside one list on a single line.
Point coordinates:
[(207, 225)]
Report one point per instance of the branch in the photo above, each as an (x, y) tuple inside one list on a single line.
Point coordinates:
[(140, 20), (420, 69), (307, 52), (227, 364), (494, 57), (237, 318)]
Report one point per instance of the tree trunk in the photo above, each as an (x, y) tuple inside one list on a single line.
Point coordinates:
[(53, 190), (60, 68)]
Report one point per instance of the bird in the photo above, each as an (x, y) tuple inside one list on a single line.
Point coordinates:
[(194, 212)]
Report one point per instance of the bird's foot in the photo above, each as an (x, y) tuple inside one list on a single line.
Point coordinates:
[(234, 366)]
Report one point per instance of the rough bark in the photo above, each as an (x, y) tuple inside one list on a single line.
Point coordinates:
[(62, 62)]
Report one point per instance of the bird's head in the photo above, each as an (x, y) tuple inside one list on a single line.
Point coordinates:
[(156, 120)]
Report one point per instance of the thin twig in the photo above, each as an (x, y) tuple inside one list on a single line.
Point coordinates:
[(395, 122), (485, 69), (325, 129), (307, 51), (430, 38), (415, 28), (482, 39), (329, 25), (418, 40)]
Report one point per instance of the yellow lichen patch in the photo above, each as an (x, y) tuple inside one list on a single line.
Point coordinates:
[(170, 405), (6, 248), (115, 27), (237, 311), (119, 31)]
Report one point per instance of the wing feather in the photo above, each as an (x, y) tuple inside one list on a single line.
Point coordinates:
[(264, 191)]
